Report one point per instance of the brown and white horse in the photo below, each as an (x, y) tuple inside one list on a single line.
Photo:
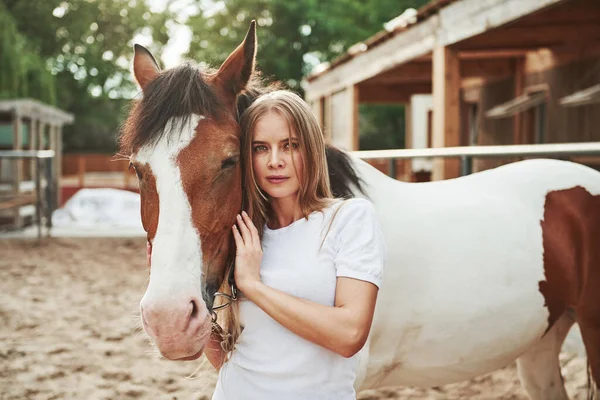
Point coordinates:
[(482, 270)]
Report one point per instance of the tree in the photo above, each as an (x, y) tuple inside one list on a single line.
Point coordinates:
[(293, 35), (23, 72), (86, 46)]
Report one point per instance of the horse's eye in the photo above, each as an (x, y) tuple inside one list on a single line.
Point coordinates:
[(229, 162)]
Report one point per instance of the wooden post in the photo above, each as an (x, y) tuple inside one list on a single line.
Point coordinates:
[(408, 140), (81, 169), (41, 126), (315, 106), (33, 143), (519, 85), (18, 166), (327, 118), (446, 110), (353, 98), (58, 164)]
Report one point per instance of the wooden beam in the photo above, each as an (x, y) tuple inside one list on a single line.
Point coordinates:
[(578, 11), (58, 164), (490, 68), (486, 54), (391, 94), (404, 46), (529, 37), (354, 106), (315, 106), (446, 110), (327, 118), (344, 116), (18, 164), (33, 143), (468, 18), (408, 140), (406, 73)]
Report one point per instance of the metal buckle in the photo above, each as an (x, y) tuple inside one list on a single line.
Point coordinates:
[(232, 297)]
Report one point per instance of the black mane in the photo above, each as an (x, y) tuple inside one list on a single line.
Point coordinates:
[(341, 173), (178, 92)]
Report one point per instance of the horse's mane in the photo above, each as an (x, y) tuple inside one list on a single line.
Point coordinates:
[(178, 92), (182, 91)]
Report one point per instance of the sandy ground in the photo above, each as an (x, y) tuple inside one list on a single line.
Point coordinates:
[(69, 329)]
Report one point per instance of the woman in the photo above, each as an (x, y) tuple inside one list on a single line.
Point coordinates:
[(308, 266)]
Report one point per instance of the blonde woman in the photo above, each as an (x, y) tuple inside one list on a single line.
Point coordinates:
[(308, 266)]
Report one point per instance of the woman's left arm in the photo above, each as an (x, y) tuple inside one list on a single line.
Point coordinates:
[(342, 329)]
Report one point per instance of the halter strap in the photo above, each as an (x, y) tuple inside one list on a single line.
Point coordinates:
[(231, 297)]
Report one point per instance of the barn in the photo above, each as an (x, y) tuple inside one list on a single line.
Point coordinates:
[(471, 73)]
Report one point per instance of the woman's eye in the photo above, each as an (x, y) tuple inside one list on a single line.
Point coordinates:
[(260, 148)]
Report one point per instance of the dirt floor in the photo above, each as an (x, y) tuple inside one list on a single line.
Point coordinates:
[(69, 329)]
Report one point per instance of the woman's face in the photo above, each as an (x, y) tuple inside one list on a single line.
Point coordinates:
[(272, 156)]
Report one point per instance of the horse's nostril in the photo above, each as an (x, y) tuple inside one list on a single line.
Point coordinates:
[(194, 313)]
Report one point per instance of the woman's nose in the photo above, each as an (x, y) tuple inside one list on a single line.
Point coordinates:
[(275, 160)]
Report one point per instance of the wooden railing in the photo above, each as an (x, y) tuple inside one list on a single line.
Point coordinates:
[(94, 170)]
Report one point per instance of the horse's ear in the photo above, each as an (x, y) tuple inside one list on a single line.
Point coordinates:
[(145, 67), (236, 71)]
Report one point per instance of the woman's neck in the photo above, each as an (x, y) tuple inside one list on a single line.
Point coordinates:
[(284, 212)]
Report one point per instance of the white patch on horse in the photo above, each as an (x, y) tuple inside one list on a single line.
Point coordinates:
[(176, 248), (460, 295)]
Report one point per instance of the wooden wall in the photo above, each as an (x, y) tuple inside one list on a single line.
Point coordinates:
[(563, 124)]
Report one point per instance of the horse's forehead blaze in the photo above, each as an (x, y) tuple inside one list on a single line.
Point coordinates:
[(213, 201), (571, 233), (158, 159)]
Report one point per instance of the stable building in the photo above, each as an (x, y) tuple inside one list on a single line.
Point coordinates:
[(472, 72)]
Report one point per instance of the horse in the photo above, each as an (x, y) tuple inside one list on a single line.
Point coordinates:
[(481, 270)]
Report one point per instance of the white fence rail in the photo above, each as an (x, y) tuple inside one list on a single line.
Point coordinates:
[(467, 153)]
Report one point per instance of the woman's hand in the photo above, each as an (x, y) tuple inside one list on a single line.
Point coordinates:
[(248, 253)]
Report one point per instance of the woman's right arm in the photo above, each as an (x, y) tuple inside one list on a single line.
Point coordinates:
[(213, 350)]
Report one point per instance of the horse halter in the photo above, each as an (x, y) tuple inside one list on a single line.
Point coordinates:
[(231, 298)]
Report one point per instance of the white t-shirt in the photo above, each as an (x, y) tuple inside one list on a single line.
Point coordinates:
[(269, 361)]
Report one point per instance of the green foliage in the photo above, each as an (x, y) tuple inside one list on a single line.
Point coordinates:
[(23, 72), (381, 127), (84, 49)]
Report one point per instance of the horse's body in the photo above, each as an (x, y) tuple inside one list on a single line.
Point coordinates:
[(461, 290), (480, 271)]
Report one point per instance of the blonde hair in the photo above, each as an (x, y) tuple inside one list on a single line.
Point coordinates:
[(315, 190)]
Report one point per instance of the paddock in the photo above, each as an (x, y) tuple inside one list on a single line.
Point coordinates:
[(70, 330)]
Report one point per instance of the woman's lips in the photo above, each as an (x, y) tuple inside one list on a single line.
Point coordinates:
[(277, 179)]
